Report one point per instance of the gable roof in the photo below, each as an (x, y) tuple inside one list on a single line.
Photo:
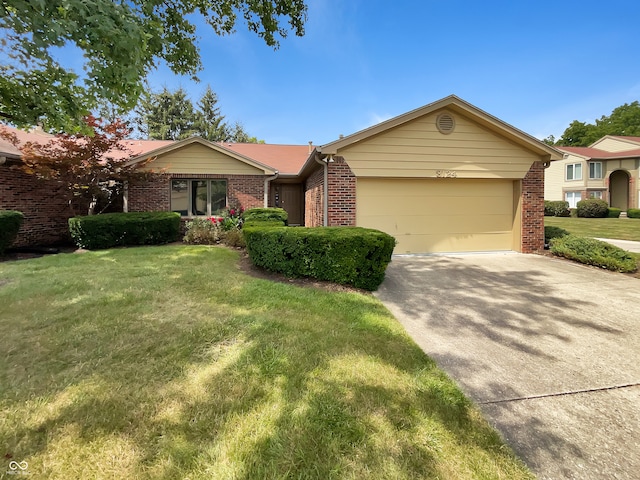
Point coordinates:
[(590, 153), (34, 135), (175, 145), (455, 104), (635, 140), (286, 159)]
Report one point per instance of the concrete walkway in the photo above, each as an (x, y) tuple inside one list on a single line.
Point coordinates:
[(548, 349), (624, 244)]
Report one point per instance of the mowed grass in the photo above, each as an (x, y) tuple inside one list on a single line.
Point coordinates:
[(615, 228), (169, 362)]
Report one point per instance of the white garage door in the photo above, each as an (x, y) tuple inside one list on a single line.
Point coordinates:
[(439, 215)]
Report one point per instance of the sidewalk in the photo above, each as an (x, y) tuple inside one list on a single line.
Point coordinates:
[(624, 244)]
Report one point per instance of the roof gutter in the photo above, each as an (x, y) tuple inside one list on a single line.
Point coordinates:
[(325, 183), (266, 188)]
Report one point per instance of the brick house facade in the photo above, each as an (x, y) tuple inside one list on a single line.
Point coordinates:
[(533, 209)]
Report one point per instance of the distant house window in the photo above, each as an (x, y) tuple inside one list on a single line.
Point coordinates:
[(573, 198), (596, 194), (595, 170), (574, 171), (192, 198)]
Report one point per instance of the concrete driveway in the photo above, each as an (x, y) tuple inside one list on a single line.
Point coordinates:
[(548, 349)]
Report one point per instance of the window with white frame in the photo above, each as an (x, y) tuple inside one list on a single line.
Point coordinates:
[(192, 198), (595, 170), (574, 171), (573, 198), (596, 194)]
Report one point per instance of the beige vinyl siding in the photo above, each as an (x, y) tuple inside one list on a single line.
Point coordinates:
[(614, 145), (418, 149), (196, 158), (440, 215), (553, 181)]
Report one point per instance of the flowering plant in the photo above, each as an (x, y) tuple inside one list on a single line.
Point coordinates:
[(204, 231), (231, 219)]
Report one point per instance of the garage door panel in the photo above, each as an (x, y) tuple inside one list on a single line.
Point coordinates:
[(450, 204), (440, 224), (439, 215)]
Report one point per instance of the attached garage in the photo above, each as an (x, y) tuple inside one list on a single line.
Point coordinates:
[(446, 177), (440, 215)]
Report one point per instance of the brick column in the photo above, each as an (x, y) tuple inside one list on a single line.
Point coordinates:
[(533, 209), (342, 194)]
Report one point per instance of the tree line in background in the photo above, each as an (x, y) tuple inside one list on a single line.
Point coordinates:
[(623, 121), (168, 115)]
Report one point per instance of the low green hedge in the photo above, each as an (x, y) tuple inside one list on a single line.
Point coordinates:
[(346, 255), (118, 229), (633, 213), (266, 214), (556, 208), (614, 212), (10, 222), (554, 232), (592, 208), (594, 252)]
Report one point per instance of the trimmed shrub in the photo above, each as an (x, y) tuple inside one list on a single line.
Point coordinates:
[(593, 208), (10, 222), (633, 213), (556, 208), (346, 255), (594, 252), (118, 229), (554, 232), (614, 212), (266, 214)]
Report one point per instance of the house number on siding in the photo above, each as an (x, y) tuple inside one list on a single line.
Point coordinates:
[(446, 174)]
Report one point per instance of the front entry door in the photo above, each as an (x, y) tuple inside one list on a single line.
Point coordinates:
[(289, 197)]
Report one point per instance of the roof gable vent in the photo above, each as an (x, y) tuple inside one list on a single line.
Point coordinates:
[(445, 123)]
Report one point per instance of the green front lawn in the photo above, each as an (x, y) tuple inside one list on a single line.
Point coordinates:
[(616, 228), (169, 362)]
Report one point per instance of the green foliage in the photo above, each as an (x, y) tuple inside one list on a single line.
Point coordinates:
[(594, 252), (266, 214), (119, 229), (614, 212), (624, 120), (346, 255), (172, 116), (119, 44), (231, 219), (633, 213), (556, 208), (553, 232), (203, 231), (234, 238), (592, 208), (10, 222)]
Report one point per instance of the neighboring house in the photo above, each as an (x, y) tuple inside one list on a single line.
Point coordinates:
[(446, 177), (608, 169)]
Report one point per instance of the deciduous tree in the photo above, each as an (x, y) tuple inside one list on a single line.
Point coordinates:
[(86, 164), (120, 42)]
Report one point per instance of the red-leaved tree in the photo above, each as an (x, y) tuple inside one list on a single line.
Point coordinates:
[(89, 166)]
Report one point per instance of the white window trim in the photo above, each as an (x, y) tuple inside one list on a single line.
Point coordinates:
[(566, 171), (601, 171), (573, 202)]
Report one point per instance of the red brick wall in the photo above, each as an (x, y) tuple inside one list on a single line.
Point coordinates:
[(342, 194), (155, 195), (313, 199), (45, 208), (533, 209)]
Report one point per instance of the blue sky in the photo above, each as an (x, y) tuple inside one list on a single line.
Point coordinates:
[(536, 65)]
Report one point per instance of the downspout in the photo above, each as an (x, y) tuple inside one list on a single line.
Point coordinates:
[(266, 188), (325, 196), (125, 197)]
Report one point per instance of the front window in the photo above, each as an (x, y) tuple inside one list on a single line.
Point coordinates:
[(596, 194), (595, 170), (574, 171), (573, 198), (195, 198)]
